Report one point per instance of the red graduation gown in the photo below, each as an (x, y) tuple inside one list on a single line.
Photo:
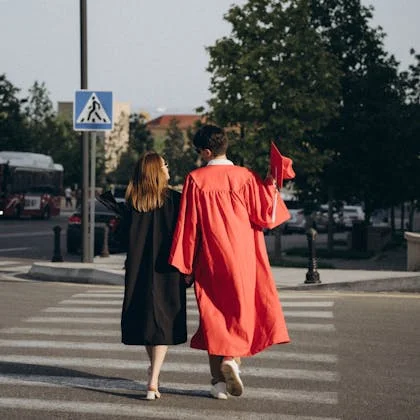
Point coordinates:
[(219, 238)]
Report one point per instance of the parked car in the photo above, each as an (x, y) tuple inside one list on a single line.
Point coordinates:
[(352, 214), (297, 221), (102, 215), (320, 218)]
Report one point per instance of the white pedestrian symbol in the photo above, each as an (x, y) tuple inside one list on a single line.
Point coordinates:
[(93, 112)]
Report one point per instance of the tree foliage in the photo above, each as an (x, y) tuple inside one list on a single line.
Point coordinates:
[(410, 127), (314, 75), (13, 132), (178, 153), (31, 125), (365, 135), (140, 138), (273, 79)]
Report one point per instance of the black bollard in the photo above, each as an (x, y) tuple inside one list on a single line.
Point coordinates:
[(105, 249), (57, 257), (312, 276)]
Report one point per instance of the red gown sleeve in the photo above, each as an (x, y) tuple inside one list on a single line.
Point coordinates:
[(184, 241), (265, 205)]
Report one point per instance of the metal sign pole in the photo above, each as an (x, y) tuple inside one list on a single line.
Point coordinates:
[(93, 111), (85, 138), (92, 194)]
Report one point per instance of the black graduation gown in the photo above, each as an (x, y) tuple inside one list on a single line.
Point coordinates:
[(154, 307)]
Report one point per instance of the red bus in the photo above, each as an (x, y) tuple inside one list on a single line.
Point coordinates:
[(31, 185)]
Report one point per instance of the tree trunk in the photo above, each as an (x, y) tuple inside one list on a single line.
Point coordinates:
[(402, 217), (392, 219), (411, 215)]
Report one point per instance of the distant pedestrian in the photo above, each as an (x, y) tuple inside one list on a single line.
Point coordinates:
[(154, 307), (219, 238), (68, 194)]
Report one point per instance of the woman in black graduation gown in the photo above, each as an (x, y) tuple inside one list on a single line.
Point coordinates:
[(154, 307)]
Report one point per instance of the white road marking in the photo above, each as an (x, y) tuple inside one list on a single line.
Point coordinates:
[(308, 314), (8, 262), (26, 234), (121, 364), (292, 326), (13, 249), (287, 314), (291, 395), (191, 304), (17, 268), (140, 410), (179, 349)]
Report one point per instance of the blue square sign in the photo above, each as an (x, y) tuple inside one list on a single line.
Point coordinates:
[(92, 111)]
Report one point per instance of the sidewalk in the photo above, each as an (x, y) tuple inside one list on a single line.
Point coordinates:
[(110, 270)]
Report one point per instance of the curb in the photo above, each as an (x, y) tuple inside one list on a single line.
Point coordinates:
[(406, 284), (89, 275), (107, 276)]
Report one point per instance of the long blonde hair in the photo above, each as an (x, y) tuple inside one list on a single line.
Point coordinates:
[(148, 186)]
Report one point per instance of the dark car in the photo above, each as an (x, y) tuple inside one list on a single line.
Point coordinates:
[(102, 216)]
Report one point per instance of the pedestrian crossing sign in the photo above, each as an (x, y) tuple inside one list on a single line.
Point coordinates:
[(92, 111)]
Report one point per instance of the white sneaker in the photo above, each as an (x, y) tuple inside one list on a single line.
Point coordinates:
[(218, 391), (231, 373)]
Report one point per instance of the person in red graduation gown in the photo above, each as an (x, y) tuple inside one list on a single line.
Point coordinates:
[(219, 239)]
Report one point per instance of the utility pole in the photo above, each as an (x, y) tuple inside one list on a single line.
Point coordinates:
[(86, 257)]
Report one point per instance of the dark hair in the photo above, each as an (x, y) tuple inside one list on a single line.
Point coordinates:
[(211, 137)]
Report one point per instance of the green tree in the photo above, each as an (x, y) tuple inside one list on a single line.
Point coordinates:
[(64, 148), (30, 125), (40, 120), (273, 79), (140, 138), (365, 133), (38, 107), (124, 170), (178, 153), (13, 132), (410, 166)]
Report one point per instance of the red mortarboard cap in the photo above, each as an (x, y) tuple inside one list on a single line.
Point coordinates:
[(280, 166)]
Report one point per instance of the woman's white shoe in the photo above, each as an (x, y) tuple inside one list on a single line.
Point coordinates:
[(152, 394)]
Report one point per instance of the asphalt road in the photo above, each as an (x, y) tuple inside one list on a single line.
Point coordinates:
[(34, 239), (352, 356)]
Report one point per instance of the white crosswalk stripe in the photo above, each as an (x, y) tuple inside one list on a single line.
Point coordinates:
[(181, 349), (190, 304), (82, 332), (10, 269), (198, 389), (132, 410), (290, 314)]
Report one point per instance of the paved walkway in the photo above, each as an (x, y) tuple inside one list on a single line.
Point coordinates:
[(110, 271)]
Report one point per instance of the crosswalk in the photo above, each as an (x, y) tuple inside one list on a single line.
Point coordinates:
[(11, 269), (66, 361)]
